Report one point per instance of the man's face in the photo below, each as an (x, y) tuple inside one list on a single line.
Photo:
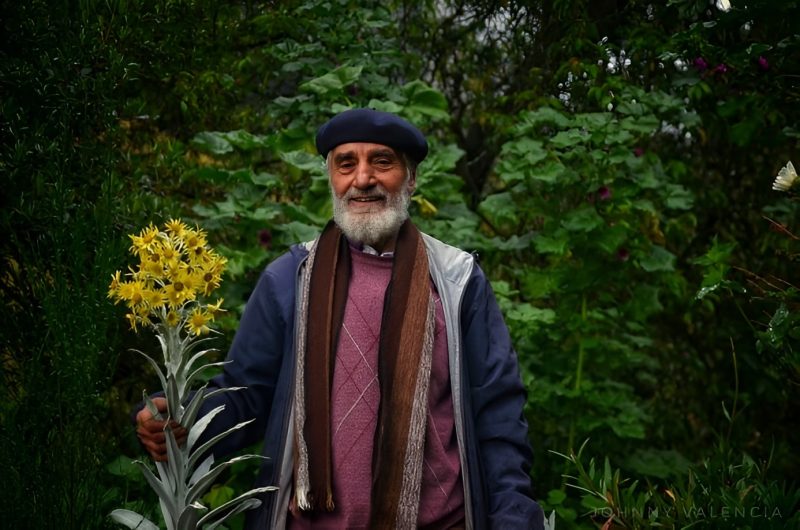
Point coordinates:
[(371, 188)]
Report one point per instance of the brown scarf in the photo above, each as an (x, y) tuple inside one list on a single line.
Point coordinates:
[(404, 364)]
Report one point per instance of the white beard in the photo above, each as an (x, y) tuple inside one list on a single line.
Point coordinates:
[(376, 227)]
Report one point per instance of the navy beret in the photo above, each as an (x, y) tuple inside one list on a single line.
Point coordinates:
[(372, 126)]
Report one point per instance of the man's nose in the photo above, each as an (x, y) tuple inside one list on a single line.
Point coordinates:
[(365, 176)]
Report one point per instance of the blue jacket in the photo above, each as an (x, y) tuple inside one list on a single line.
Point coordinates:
[(488, 395)]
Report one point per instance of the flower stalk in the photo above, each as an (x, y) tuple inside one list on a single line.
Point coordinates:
[(177, 270)]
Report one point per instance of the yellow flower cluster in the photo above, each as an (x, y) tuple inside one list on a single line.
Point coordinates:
[(176, 267)]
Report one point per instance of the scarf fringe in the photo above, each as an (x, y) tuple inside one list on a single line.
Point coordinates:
[(302, 486), (408, 505)]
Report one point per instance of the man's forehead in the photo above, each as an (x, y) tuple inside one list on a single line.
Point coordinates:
[(362, 149)]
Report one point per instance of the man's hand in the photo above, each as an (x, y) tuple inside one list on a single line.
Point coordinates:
[(151, 431)]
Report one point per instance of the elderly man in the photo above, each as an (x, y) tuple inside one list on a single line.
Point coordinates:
[(377, 364)]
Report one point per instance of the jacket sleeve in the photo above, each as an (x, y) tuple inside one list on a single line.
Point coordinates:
[(254, 360), (497, 397)]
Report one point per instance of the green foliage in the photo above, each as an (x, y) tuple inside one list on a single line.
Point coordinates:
[(724, 490), (61, 205), (609, 162)]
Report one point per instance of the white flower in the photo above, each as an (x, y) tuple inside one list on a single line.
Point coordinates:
[(723, 5), (786, 178)]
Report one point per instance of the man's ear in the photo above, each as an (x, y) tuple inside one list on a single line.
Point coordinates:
[(412, 182)]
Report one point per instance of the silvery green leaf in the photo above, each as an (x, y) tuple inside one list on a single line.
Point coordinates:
[(132, 520), (208, 479), (244, 500), (173, 398), (189, 362), (246, 504), (190, 343), (193, 408), (166, 477), (151, 406), (200, 370), (210, 443), (201, 470), (163, 494), (164, 348), (155, 366), (550, 522), (198, 428), (175, 460), (170, 514), (190, 516)]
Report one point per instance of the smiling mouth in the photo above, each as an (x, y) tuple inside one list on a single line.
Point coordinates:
[(366, 202)]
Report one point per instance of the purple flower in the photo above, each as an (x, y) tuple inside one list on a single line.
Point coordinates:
[(604, 193), (700, 64), (623, 254), (265, 238), (638, 151), (721, 68), (763, 64)]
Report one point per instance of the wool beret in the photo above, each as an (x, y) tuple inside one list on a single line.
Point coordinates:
[(372, 126)]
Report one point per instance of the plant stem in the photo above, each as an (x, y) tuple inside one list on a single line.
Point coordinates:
[(578, 375), (735, 389)]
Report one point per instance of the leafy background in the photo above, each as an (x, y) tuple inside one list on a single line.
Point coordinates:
[(609, 161)]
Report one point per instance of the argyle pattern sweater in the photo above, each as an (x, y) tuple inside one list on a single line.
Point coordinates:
[(354, 412)]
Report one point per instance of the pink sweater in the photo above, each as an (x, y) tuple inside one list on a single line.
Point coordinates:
[(354, 408)]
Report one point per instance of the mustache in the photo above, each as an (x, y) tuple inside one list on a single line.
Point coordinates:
[(378, 192)]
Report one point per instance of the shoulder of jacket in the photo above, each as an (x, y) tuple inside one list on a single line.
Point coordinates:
[(286, 265), (453, 264)]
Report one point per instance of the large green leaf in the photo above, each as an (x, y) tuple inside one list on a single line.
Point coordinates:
[(423, 99), (569, 138), (659, 260), (583, 219), (500, 209), (556, 243), (333, 82), (212, 142), (531, 120)]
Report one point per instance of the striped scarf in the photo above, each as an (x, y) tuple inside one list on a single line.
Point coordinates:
[(404, 366)]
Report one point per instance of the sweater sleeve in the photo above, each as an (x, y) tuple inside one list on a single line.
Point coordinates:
[(497, 397)]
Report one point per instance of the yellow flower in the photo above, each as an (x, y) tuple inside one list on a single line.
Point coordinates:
[(215, 308), (173, 318), (168, 252), (198, 322), (177, 294), (145, 240), (113, 287), (154, 298), (198, 254), (210, 274), (176, 227), (143, 314), (132, 292), (151, 265), (168, 258), (175, 267), (186, 278), (194, 238)]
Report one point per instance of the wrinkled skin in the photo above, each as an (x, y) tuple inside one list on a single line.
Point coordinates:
[(151, 431)]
